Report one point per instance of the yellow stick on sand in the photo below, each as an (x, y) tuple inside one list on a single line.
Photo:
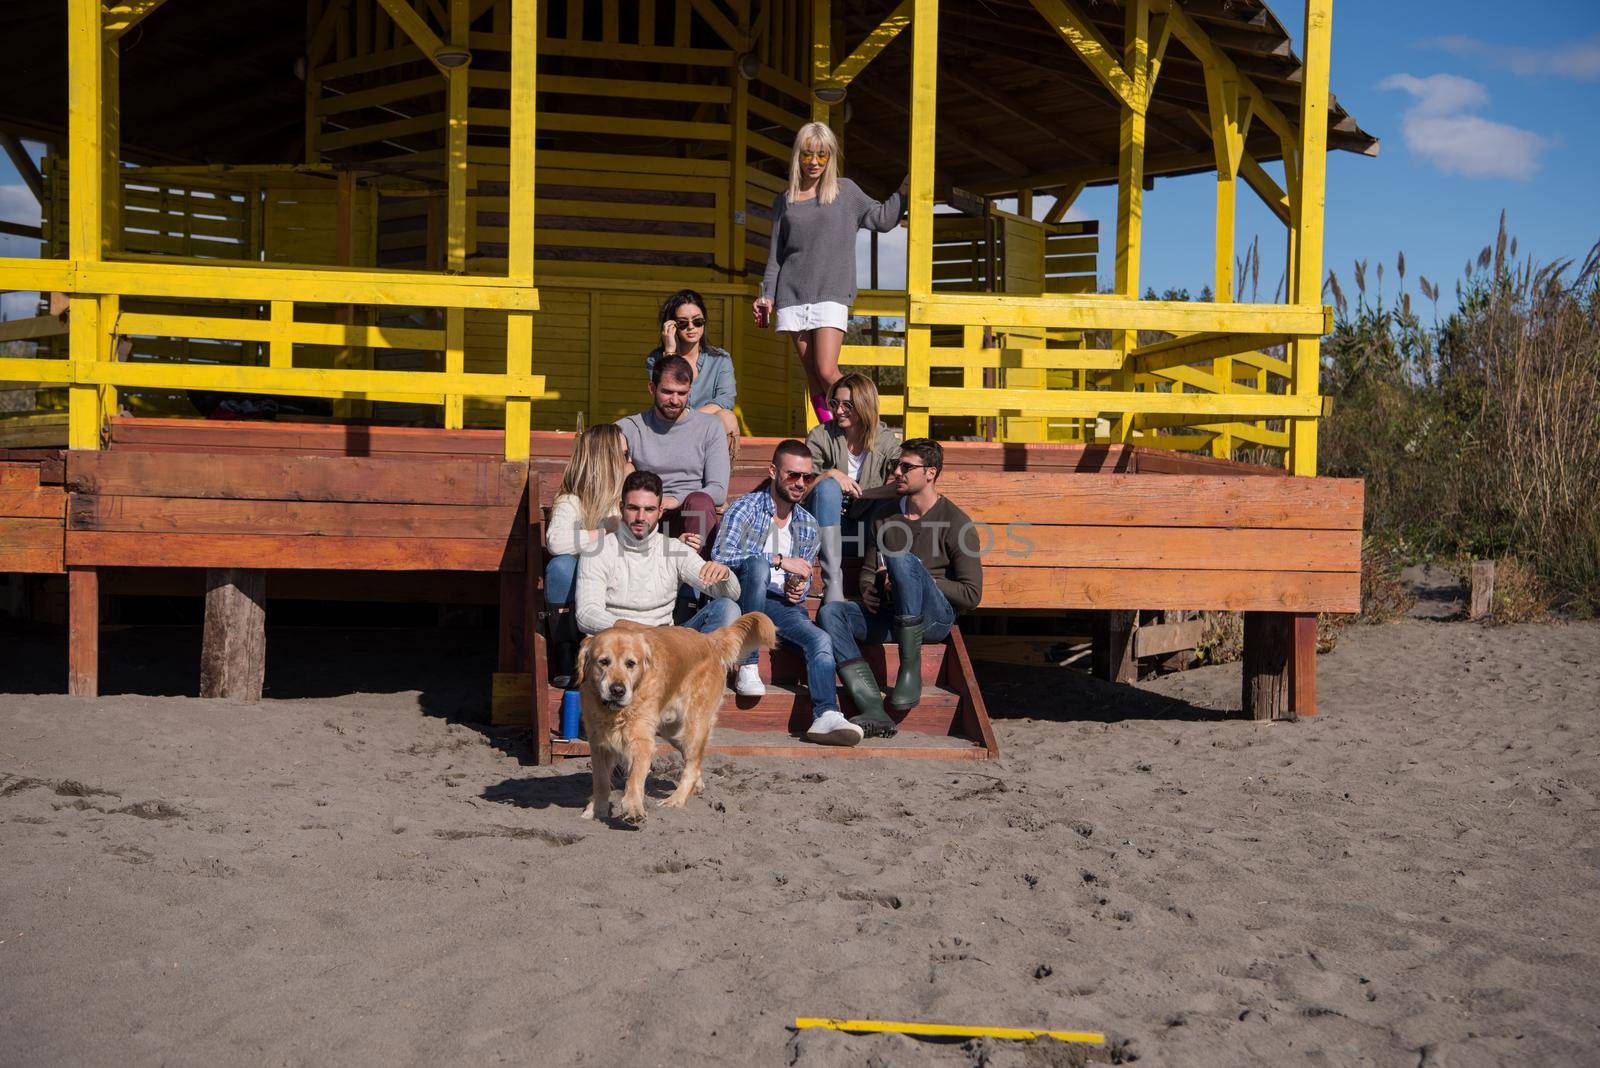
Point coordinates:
[(1094, 1038)]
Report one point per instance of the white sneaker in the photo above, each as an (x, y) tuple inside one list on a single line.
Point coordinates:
[(831, 728), (748, 683)]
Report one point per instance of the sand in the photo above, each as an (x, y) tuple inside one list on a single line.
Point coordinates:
[(1410, 879)]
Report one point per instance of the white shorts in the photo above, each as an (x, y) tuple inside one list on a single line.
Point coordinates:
[(798, 317)]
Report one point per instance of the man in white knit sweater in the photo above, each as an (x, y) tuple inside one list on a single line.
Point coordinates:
[(635, 572)]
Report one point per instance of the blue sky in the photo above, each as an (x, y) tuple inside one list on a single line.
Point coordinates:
[(1477, 112)]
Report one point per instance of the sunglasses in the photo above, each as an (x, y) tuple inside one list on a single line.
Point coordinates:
[(684, 324), (904, 468), (815, 157), (841, 405), (796, 476)]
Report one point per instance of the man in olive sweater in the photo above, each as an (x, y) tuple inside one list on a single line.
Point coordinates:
[(922, 568)]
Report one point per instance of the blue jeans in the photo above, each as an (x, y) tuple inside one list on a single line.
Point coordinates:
[(794, 628), (560, 581), (826, 503), (718, 612), (912, 592)]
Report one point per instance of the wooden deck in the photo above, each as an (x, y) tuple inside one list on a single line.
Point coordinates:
[(1106, 528)]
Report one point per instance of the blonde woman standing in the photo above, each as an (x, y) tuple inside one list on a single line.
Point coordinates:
[(853, 456), (810, 281), (586, 509)]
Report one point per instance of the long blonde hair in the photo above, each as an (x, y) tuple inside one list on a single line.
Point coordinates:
[(817, 137), (864, 397), (594, 474)]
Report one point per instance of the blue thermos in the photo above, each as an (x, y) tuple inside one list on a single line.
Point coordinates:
[(571, 714)]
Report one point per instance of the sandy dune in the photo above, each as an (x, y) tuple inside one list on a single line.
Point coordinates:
[(1409, 879)]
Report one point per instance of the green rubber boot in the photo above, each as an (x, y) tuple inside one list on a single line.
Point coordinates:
[(862, 686), (907, 690)]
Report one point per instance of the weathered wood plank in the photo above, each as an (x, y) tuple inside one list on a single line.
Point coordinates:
[(310, 553), (1268, 651), (294, 478), (233, 653), (1158, 500), (1170, 548), (38, 503), (31, 546), (202, 515), (1133, 588), (1112, 658)]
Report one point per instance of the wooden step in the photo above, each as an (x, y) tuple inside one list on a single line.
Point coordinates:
[(787, 708), (785, 664), (727, 742)]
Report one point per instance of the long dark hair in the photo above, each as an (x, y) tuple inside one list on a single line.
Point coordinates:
[(669, 310)]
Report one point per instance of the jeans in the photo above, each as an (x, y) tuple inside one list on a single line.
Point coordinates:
[(912, 592), (718, 612), (826, 503), (560, 581), (794, 628)]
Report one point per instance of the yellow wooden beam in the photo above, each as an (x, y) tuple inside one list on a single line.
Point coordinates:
[(821, 57), (1095, 312), (520, 247), (86, 166), (125, 15), (1087, 41), (919, 243), (1304, 354), (1196, 348), (416, 28), (310, 285), (942, 400), (1197, 41), (1130, 187), (874, 43)]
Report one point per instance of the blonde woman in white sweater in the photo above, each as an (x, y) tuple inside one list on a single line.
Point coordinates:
[(584, 512), (635, 572)]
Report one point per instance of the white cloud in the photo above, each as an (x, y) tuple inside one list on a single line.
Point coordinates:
[(1440, 127), (1576, 59), (17, 205)]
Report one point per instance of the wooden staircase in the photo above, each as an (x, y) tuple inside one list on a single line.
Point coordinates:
[(950, 723)]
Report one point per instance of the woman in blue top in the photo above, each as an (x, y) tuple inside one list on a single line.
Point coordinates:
[(683, 333), (810, 281)]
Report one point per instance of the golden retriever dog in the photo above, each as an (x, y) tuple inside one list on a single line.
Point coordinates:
[(641, 682)]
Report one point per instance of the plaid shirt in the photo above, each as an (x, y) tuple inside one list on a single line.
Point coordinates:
[(748, 521)]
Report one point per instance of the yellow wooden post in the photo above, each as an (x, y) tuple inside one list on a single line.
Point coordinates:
[(111, 195), (86, 161), (738, 161), (821, 56), (455, 319), (1304, 354), (1130, 189), (280, 349), (1229, 125), (919, 240), (519, 253)]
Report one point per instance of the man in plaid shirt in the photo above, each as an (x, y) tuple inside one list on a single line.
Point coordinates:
[(770, 543)]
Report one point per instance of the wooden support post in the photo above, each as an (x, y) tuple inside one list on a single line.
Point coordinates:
[(919, 240), (86, 164), (1482, 590), (1130, 190), (83, 632), (511, 702), (1112, 657), (1304, 354), (1303, 665), (1280, 665), (455, 345), (233, 652), (519, 252), (1229, 125)]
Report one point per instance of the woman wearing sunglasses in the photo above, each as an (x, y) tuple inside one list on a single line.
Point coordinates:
[(811, 266), (853, 454), (683, 333)]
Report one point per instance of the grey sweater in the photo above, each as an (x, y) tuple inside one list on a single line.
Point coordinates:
[(690, 453), (813, 253)]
